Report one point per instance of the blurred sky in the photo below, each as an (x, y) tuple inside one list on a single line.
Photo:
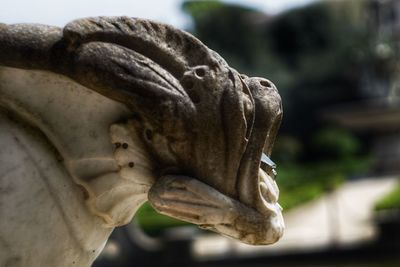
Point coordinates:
[(56, 12)]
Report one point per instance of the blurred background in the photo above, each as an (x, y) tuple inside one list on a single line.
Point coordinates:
[(336, 65)]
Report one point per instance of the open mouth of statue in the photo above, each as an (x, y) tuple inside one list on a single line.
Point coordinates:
[(268, 187), (256, 184)]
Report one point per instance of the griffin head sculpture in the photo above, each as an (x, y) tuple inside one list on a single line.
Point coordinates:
[(133, 110)]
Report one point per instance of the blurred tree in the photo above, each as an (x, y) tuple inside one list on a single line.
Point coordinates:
[(287, 149), (228, 29), (325, 50), (335, 144)]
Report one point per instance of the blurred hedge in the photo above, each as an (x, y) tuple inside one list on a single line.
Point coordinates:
[(390, 201)]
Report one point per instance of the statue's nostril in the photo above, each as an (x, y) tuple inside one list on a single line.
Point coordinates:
[(148, 135), (266, 84)]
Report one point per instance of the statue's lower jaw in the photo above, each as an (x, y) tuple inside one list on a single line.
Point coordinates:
[(191, 200), (260, 222), (268, 225), (269, 193)]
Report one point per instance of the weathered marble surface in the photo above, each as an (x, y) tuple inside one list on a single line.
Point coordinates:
[(101, 116)]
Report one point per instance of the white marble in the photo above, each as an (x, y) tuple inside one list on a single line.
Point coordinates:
[(44, 220)]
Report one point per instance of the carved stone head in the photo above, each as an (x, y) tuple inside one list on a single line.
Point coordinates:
[(205, 125)]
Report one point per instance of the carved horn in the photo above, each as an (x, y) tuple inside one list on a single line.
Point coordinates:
[(145, 60), (28, 46), (169, 47)]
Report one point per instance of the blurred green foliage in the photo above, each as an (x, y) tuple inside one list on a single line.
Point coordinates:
[(335, 143), (287, 149), (390, 201), (154, 223), (299, 183)]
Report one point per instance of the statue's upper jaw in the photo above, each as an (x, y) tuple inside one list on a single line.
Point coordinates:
[(256, 184)]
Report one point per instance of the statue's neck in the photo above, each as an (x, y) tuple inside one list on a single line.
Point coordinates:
[(80, 125)]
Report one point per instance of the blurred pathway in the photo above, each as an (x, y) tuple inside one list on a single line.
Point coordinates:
[(341, 218)]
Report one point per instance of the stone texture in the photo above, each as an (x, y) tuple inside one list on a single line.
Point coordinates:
[(117, 108)]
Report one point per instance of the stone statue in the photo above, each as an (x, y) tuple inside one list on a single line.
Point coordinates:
[(110, 112)]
